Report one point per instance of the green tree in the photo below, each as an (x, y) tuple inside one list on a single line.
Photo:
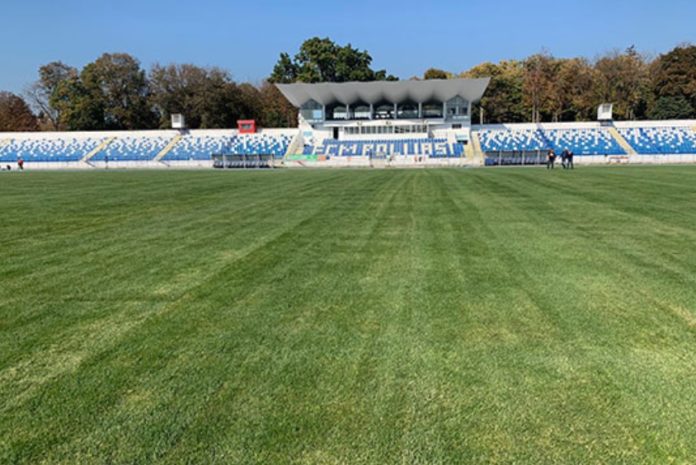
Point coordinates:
[(502, 102), (15, 114), (322, 60), (39, 93), (671, 108), (78, 110), (673, 76), (197, 93), (120, 86)]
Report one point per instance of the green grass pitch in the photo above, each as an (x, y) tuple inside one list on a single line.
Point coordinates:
[(348, 317)]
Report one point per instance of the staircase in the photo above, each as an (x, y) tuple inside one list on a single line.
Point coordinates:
[(168, 148), (296, 145), (97, 149), (621, 141), (475, 142), (469, 151)]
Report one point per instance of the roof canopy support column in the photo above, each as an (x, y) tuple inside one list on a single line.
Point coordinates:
[(420, 110), (347, 111), (396, 109)]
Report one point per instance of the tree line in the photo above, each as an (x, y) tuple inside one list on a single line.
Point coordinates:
[(115, 92), (543, 88)]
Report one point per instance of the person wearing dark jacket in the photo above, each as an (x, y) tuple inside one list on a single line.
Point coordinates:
[(569, 160), (550, 159), (564, 158)]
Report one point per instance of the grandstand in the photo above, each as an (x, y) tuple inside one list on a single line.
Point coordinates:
[(139, 148), (582, 141), (661, 140), (406, 123), (133, 148), (47, 148)]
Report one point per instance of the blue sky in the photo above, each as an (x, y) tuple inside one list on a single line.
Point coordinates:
[(405, 36)]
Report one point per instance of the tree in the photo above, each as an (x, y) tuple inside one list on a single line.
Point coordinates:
[(285, 70), (322, 60), (15, 114), (39, 93), (622, 79), (220, 102), (539, 71), (570, 93), (275, 110), (671, 108), (118, 84), (502, 102), (673, 76), (78, 110), (434, 73)]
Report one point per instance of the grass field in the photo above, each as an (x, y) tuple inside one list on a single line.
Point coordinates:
[(348, 317)]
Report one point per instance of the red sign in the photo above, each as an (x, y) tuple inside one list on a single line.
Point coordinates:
[(246, 126)]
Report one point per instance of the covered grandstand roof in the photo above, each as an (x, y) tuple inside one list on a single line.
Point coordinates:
[(374, 92)]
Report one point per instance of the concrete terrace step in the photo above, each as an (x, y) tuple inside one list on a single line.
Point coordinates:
[(622, 141), (168, 148), (97, 149)]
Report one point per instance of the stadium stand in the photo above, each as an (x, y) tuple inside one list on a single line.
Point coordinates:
[(661, 140), (584, 141), (48, 149), (260, 144), (131, 148), (580, 141), (192, 147), (435, 148), (512, 140)]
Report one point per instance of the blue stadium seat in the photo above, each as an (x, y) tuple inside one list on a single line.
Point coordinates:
[(133, 148), (260, 144), (593, 141), (194, 147), (48, 149), (661, 140), (199, 147), (508, 140)]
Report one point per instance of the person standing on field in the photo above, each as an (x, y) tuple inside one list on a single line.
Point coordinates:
[(20, 163), (550, 159), (569, 160), (564, 158)]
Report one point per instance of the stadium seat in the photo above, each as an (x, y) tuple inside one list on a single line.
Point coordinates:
[(260, 144), (199, 147), (48, 149), (592, 141), (133, 148), (661, 140), (194, 147)]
